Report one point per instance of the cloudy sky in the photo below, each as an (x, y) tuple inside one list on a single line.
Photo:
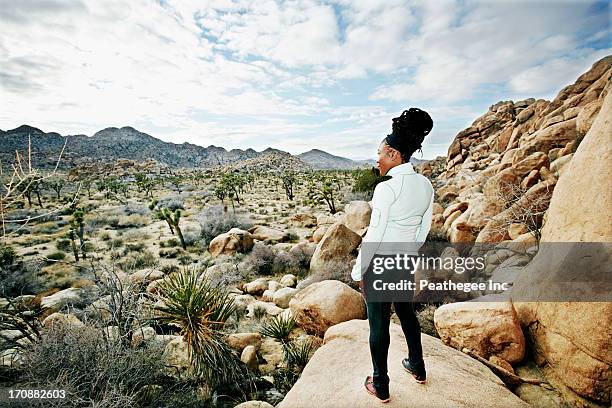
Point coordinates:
[(294, 75)]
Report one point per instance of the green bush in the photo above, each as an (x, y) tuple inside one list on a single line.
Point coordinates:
[(63, 245), (7, 256), (57, 256), (135, 246), (297, 353), (171, 243), (138, 260), (279, 327)]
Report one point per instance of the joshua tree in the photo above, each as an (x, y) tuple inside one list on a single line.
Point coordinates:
[(72, 235), (176, 181), (323, 188), (77, 227), (159, 214), (289, 180), (220, 192), (173, 218), (57, 184), (145, 184)]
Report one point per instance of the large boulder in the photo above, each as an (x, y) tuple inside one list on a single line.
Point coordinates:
[(334, 375), (325, 303), (486, 328), (573, 338), (61, 319), (357, 216), (271, 235), (235, 240), (58, 300), (336, 245), (146, 276), (303, 220)]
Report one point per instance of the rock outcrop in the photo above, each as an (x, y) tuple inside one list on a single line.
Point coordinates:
[(574, 337), (514, 149), (486, 328), (335, 374)]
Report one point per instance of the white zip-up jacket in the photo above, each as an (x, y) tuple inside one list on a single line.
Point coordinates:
[(402, 209)]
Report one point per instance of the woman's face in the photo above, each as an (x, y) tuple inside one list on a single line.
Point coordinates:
[(387, 158)]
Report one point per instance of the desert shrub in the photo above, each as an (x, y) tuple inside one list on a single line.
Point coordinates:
[(46, 228), (131, 221), (170, 253), (97, 372), (259, 312), (20, 278), (293, 237), (297, 261), (285, 378), (114, 255), (136, 208), (228, 276), (105, 236), (57, 256), (297, 352), (7, 256), (168, 269), (337, 270), (171, 243), (191, 234), (214, 221), (98, 220), (184, 259), (115, 243), (261, 259), (135, 246), (63, 245), (176, 202), (138, 260)]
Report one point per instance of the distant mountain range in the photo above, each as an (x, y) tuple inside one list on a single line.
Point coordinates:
[(112, 143)]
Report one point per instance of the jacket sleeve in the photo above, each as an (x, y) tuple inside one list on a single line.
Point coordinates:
[(426, 221), (381, 203)]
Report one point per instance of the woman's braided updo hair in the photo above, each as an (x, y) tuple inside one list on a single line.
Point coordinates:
[(408, 132)]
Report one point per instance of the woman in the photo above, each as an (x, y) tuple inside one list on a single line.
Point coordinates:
[(401, 212)]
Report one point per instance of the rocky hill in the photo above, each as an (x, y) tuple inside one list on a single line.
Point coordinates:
[(271, 161), (112, 144)]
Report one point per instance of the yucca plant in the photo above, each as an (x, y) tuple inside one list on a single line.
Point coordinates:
[(201, 310), (259, 312), (297, 353), (279, 327)]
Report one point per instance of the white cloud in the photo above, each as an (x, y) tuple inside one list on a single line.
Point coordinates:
[(295, 73), (545, 78)]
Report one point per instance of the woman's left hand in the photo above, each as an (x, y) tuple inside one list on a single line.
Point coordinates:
[(362, 288)]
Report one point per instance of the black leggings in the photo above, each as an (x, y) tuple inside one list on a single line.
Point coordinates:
[(379, 317)]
